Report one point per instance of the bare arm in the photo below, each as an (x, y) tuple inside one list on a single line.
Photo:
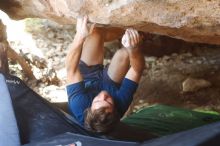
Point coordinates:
[(75, 50), (131, 41), (72, 60), (137, 66)]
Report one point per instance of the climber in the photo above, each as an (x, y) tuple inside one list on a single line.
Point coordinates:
[(99, 96)]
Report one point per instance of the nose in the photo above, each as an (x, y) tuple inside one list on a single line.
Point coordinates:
[(104, 95)]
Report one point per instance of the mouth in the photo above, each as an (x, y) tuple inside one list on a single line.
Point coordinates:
[(110, 103)]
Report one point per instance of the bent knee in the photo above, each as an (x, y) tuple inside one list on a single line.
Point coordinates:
[(98, 31), (121, 57), (122, 53)]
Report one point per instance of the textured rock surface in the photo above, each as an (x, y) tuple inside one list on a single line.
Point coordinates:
[(192, 85), (190, 20)]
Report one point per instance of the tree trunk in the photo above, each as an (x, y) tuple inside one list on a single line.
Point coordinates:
[(3, 59), (25, 66)]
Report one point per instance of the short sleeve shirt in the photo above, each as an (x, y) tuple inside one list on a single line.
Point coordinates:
[(80, 96)]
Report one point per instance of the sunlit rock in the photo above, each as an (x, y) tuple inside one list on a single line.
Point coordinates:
[(190, 20)]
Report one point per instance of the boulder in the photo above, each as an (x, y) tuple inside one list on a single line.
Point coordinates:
[(190, 20), (192, 84)]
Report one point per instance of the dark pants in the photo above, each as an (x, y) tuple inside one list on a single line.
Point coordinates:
[(95, 73)]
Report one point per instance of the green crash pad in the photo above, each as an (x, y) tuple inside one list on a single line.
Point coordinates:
[(163, 120)]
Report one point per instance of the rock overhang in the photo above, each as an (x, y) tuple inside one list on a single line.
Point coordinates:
[(194, 21)]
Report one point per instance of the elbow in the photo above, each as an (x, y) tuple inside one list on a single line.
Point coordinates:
[(67, 64), (139, 68), (70, 68)]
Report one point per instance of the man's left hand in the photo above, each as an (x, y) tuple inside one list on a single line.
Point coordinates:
[(82, 28), (131, 39)]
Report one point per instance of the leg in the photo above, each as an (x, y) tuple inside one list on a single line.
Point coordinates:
[(113, 33), (93, 48), (119, 65)]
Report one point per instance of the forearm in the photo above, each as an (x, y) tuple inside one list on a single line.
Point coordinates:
[(137, 66), (74, 53), (137, 61)]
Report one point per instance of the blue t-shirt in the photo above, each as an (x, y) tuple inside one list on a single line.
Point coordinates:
[(81, 95)]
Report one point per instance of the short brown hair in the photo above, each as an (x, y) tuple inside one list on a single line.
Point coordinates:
[(100, 121)]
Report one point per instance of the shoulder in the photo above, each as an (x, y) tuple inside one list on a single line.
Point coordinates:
[(128, 84), (75, 89), (125, 95), (79, 100)]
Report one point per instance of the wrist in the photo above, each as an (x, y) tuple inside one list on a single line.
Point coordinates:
[(134, 51), (80, 37)]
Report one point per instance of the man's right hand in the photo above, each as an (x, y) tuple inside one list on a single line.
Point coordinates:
[(131, 39), (82, 29)]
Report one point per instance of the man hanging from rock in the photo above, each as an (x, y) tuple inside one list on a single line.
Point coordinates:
[(99, 96)]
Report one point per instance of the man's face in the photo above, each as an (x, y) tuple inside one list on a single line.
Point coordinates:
[(103, 100)]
